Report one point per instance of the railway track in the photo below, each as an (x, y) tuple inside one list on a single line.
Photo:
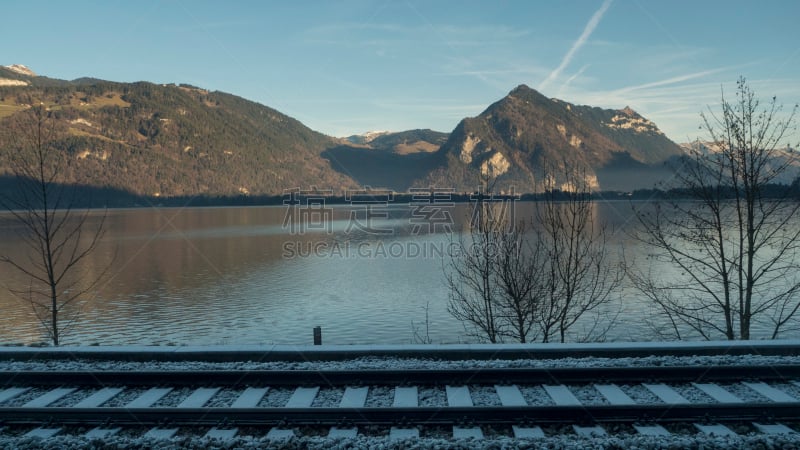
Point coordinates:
[(517, 403)]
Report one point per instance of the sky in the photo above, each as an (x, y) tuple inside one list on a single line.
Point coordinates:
[(345, 67)]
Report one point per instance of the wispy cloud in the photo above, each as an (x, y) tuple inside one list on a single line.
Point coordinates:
[(587, 31), (673, 80), (571, 79)]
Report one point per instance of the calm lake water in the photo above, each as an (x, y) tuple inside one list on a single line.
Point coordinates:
[(262, 275)]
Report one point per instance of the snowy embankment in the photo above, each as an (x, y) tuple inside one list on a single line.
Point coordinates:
[(362, 442)]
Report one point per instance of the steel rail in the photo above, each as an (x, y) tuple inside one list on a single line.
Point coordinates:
[(400, 377), (594, 414)]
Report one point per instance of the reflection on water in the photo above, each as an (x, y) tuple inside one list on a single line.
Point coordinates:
[(224, 276)]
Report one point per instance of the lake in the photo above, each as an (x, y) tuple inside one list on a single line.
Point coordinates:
[(264, 275)]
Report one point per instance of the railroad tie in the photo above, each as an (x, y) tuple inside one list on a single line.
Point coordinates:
[(651, 430), (594, 431), (666, 394), (42, 433), (280, 434), (458, 396), (198, 398), (354, 397), (161, 433), (398, 434), (222, 434), (148, 398), (715, 430), (343, 433), (302, 397), (717, 392), (561, 395), (98, 398), (101, 433), (510, 395), (250, 398), (777, 428), (8, 394), (614, 394), (405, 397), (48, 398), (527, 432), (773, 394)]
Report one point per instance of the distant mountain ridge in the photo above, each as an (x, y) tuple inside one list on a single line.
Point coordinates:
[(177, 140), (517, 136), (173, 140)]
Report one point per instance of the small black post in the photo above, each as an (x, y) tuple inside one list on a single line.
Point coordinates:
[(317, 335)]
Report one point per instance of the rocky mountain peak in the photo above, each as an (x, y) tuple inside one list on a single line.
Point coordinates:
[(20, 69)]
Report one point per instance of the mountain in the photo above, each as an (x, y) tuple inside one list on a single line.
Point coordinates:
[(525, 131), (181, 140), (170, 140), (387, 160)]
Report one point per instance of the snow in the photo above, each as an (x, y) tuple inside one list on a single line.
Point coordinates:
[(21, 69), (283, 438)]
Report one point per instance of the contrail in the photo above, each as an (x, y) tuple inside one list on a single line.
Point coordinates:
[(587, 31)]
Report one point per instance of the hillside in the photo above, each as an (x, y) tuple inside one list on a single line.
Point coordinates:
[(525, 131), (179, 140), (168, 140), (387, 160)]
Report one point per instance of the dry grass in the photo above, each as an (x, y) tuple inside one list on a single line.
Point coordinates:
[(415, 147), (107, 99), (78, 132), (7, 109)]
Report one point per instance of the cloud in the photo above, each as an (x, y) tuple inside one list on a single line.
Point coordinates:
[(673, 80), (572, 78), (587, 31)]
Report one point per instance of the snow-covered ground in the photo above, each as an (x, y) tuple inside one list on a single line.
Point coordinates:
[(387, 363), (362, 442)]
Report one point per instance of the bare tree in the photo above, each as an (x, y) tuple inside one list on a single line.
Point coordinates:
[(581, 273), (59, 238), (529, 282), (470, 274), (733, 244), (522, 282)]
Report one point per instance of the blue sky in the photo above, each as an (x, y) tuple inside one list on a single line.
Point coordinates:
[(348, 66)]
